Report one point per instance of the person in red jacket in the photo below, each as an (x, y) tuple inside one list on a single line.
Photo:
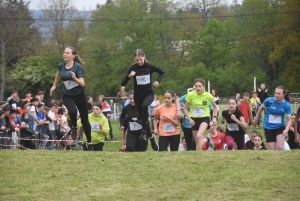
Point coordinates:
[(214, 140)]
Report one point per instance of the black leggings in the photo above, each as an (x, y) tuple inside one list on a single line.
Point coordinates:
[(164, 142), (189, 139), (142, 105), (133, 143), (80, 101), (96, 147)]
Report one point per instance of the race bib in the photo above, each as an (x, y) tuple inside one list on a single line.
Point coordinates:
[(70, 84), (143, 79), (14, 105), (95, 127), (274, 119), (168, 128), (232, 126), (198, 112), (134, 126)]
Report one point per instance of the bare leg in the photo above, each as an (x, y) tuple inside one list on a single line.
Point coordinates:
[(280, 142), (198, 135), (272, 145)]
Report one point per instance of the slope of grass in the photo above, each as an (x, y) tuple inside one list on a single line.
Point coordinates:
[(77, 175)]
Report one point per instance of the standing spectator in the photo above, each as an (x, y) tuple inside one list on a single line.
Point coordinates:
[(238, 97), (12, 99), (106, 110), (33, 111), (245, 108), (262, 93), (216, 99), (28, 96), (255, 103), (112, 107), (52, 123), (90, 103), (122, 96), (41, 95), (152, 108)]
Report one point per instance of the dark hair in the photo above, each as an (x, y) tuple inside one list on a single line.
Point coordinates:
[(139, 53), (41, 93), (183, 138), (61, 110), (23, 115), (286, 93), (215, 91), (52, 104), (76, 58), (34, 99), (246, 94), (28, 92), (255, 132), (232, 99), (219, 129), (13, 91), (40, 105), (258, 135), (1, 112), (104, 99), (24, 103), (97, 104), (13, 111), (170, 92), (130, 92), (88, 97), (6, 108), (200, 80)]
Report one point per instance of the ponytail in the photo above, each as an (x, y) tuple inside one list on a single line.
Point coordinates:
[(79, 60)]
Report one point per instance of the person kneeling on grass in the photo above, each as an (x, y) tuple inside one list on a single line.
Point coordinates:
[(99, 128), (214, 140)]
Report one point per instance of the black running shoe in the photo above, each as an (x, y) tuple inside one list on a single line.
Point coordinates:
[(143, 136), (154, 143), (74, 133), (89, 146)]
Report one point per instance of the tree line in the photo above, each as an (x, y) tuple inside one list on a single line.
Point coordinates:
[(225, 44)]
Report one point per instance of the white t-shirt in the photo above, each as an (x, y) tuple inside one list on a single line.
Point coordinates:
[(33, 112), (64, 124), (51, 115), (246, 138)]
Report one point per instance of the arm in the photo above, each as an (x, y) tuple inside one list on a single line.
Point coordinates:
[(122, 117), (223, 123), (175, 122), (160, 72), (186, 112), (250, 113), (178, 108), (127, 77), (215, 111), (254, 122), (296, 129), (105, 127), (54, 82), (240, 121), (155, 121), (288, 125)]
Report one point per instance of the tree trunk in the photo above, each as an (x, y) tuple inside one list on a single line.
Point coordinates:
[(2, 88)]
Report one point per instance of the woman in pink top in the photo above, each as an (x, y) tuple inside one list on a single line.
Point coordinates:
[(169, 132)]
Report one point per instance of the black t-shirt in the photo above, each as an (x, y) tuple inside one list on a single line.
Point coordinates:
[(231, 126), (250, 145), (291, 140), (131, 112), (142, 78)]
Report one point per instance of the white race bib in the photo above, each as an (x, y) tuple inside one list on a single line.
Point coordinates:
[(70, 84), (198, 112), (143, 79), (134, 126), (168, 128), (14, 105), (95, 127), (274, 119), (233, 127)]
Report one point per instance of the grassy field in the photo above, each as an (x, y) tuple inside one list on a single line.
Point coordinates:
[(78, 175), (112, 175)]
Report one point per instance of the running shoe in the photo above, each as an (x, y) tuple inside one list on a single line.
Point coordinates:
[(89, 146), (210, 141), (154, 143), (74, 133), (143, 136)]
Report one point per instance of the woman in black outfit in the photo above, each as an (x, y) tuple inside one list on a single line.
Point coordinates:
[(141, 72)]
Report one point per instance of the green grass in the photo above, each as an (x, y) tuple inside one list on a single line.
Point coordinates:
[(78, 175)]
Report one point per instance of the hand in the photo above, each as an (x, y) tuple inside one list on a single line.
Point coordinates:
[(266, 90), (122, 128), (108, 116), (297, 140), (52, 89), (123, 148), (100, 124), (24, 126), (155, 131), (285, 133), (132, 74), (292, 129), (233, 117), (73, 75), (134, 119), (156, 84), (165, 116), (254, 122), (191, 121), (17, 129), (2, 127), (259, 89), (179, 114)]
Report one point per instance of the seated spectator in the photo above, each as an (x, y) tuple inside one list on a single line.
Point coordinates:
[(214, 140), (182, 145), (250, 144), (291, 135), (27, 133), (258, 143)]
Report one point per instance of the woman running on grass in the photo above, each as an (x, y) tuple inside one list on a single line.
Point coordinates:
[(235, 125), (198, 100), (274, 125), (169, 131), (141, 72)]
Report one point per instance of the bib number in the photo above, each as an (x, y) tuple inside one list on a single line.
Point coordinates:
[(168, 128), (233, 127), (143, 79), (95, 127), (134, 126), (70, 84), (198, 112), (274, 119)]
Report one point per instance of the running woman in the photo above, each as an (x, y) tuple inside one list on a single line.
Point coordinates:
[(71, 73), (235, 125), (141, 72), (169, 131), (199, 115), (274, 125), (134, 127)]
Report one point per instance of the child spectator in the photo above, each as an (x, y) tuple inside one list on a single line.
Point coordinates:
[(214, 140), (291, 135), (258, 143), (63, 128), (182, 145), (250, 143), (52, 123), (255, 103), (245, 108), (28, 96)]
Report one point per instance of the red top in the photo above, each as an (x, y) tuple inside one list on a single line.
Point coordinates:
[(219, 140), (245, 107)]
